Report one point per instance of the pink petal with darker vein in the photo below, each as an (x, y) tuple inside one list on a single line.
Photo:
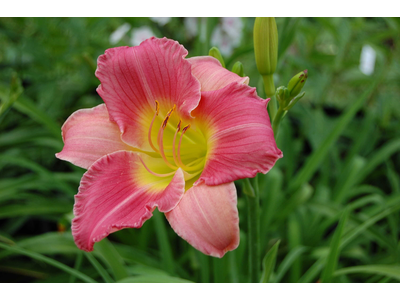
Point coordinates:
[(133, 78), (239, 134), (117, 192)]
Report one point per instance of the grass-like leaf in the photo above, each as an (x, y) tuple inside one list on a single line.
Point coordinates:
[(269, 262), (49, 261), (333, 256), (392, 271)]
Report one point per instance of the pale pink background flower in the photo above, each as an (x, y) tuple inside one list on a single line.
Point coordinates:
[(161, 20), (191, 26), (119, 33), (141, 34), (227, 35), (367, 60)]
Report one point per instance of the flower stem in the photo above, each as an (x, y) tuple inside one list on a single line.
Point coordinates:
[(253, 216), (277, 120), (269, 86)]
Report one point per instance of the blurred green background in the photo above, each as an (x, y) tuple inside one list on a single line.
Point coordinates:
[(332, 201)]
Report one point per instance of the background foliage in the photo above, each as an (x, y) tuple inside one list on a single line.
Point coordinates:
[(329, 208)]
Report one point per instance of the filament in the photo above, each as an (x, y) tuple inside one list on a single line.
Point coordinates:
[(154, 173)]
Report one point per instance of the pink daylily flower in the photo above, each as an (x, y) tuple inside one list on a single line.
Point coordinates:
[(174, 133)]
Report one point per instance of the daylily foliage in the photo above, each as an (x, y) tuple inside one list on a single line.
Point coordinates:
[(174, 133)]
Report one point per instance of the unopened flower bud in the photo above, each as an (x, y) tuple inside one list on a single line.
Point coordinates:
[(282, 95), (265, 36), (238, 68), (214, 52), (297, 83)]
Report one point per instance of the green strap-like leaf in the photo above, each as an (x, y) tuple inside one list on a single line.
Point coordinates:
[(49, 261), (154, 279), (391, 271), (269, 262), (111, 256), (333, 256), (99, 268)]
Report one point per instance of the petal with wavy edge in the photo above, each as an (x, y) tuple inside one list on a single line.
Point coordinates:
[(207, 218), (117, 192), (133, 78), (88, 134), (239, 136), (212, 76)]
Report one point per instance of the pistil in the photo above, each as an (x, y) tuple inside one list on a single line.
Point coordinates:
[(151, 126), (160, 139)]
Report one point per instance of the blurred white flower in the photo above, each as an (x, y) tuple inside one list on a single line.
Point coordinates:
[(191, 26), (161, 20), (119, 33), (140, 34), (367, 60), (227, 35), (233, 27), (222, 41)]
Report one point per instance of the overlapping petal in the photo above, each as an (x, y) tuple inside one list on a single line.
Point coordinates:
[(133, 78), (117, 192), (88, 134), (239, 136), (207, 217), (212, 75)]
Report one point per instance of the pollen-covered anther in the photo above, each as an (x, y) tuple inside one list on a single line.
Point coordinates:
[(157, 108), (178, 127), (169, 113), (185, 128), (165, 122)]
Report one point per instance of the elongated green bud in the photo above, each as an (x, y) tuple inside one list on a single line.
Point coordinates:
[(265, 36), (297, 83), (238, 68), (214, 52)]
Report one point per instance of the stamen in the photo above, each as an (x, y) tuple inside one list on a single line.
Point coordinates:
[(178, 159), (178, 128), (151, 126), (185, 128), (157, 107), (154, 173), (165, 122), (180, 141), (160, 139)]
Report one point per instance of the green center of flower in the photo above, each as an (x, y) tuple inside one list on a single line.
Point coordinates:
[(178, 146)]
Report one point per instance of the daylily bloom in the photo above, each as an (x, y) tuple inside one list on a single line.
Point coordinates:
[(173, 133)]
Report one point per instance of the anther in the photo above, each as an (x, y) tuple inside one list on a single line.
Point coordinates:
[(185, 128), (165, 122), (157, 108)]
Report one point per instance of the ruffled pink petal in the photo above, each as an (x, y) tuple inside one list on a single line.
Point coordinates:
[(89, 134), (207, 218), (239, 136), (133, 78), (117, 192), (212, 76)]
